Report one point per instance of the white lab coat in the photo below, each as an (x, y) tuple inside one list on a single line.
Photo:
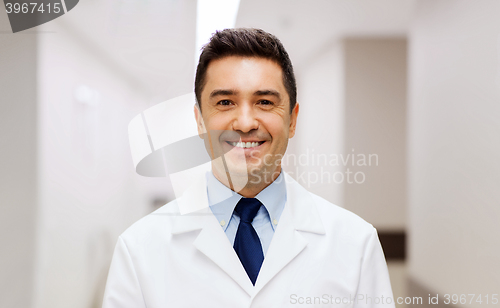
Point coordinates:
[(320, 256)]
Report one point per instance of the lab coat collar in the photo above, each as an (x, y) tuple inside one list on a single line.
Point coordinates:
[(300, 214), (303, 209)]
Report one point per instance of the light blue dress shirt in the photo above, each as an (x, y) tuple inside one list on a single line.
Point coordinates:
[(223, 200)]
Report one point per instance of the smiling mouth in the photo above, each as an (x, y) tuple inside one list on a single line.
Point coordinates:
[(245, 145)]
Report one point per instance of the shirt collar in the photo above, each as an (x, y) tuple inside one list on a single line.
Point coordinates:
[(223, 200)]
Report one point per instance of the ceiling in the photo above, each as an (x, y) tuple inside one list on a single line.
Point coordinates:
[(153, 41), (305, 27)]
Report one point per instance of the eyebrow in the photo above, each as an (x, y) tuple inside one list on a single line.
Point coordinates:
[(268, 92), (223, 92)]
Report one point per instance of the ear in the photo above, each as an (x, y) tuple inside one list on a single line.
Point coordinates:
[(199, 121), (293, 121)]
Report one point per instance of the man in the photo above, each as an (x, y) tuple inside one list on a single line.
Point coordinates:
[(260, 239)]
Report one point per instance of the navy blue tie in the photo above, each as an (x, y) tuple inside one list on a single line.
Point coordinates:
[(247, 243)]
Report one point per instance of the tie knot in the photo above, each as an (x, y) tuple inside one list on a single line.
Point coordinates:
[(247, 208)]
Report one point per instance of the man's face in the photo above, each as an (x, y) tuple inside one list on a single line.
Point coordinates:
[(246, 111)]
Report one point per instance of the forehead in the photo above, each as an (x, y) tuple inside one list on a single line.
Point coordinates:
[(244, 73)]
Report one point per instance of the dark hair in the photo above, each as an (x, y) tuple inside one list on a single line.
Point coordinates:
[(247, 42)]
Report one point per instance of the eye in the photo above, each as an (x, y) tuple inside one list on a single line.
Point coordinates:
[(224, 102), (265, 102)]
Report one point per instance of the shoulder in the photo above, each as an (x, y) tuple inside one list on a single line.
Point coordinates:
[(152, 225), (335, 219), (334, 215), (345, 231)]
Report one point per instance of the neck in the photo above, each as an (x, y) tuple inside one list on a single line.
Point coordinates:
[(250, 186)]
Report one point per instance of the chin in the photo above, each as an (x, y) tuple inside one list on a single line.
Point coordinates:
[(259, 176), (238, 172)]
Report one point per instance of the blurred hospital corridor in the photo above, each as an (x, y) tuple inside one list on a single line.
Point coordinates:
[(399, 123)]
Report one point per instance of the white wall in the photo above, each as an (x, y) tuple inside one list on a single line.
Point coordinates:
[(320, 125), (375, 130), (454, 149), (89, 192), (18, 155), (68, 185), (352, 96)]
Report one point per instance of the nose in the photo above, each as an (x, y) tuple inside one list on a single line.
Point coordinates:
[(245, 120)]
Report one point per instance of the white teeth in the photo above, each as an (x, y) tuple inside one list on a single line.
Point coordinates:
[(244, 145)]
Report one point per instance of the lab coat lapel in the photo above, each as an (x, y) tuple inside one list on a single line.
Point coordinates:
[(211, 241), (299, 215), (214, 244)]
